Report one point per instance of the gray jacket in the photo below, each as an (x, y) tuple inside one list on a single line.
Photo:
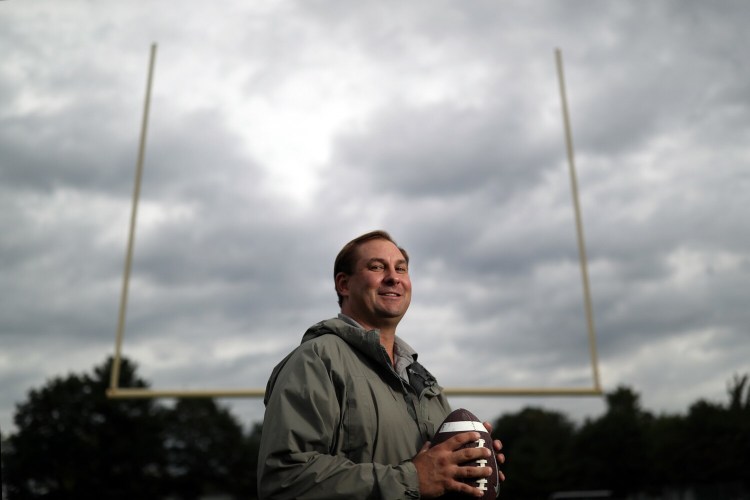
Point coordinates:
[(341, 423)]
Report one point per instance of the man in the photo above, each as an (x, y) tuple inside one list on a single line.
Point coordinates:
[(350, 412)]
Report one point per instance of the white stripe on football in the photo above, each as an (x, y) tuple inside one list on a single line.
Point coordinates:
[(462, 426)]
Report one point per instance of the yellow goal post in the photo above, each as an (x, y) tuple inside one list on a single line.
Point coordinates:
[(115, 391)]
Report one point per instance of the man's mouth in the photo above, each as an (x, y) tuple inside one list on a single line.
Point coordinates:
[(391, 294)]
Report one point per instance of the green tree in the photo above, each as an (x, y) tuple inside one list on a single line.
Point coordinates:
[(207, 451), (718, 439), (739, 394), (668, 448), (249, 480), (74, 443), (739, 414), (611, 452), (538, 444)]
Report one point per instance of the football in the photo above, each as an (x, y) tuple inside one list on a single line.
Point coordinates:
[(459, 421)]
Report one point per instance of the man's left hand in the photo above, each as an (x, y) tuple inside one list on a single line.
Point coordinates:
[(498, 447)]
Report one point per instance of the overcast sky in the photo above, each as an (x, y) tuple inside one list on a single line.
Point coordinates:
[(281, 130)]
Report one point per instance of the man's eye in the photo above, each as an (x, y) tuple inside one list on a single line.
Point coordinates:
[(376, 267), (402, 269)]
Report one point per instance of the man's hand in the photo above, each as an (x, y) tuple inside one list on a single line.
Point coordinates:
[(439, 467), (498, 447)]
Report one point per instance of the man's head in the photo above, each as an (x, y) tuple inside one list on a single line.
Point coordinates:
[(371, 274)]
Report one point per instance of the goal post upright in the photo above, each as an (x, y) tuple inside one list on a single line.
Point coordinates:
[(579, 224), (115, 375)]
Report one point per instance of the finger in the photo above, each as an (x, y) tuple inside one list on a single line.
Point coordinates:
[(500, 457), (497, 444), (472, 472), (471, 455), (487, 426), (459, 440), (465, 489)]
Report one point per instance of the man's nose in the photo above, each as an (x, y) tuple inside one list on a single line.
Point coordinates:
[(392, 277)]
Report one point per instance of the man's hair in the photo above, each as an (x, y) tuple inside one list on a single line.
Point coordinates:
[(346, 258)]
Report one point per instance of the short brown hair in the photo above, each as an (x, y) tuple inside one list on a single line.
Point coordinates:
[(344, 262)]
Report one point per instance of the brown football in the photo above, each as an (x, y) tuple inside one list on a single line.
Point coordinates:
[(459, 421)]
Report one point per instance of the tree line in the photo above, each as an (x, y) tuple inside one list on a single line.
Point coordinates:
[(71, 442), (632, 453)]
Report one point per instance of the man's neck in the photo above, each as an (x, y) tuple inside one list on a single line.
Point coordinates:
[(387, 334), (388, 340)]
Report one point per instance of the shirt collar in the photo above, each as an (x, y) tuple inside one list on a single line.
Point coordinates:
[(404, 354)]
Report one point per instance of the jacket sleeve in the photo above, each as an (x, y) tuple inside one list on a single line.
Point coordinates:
[(300, 429)]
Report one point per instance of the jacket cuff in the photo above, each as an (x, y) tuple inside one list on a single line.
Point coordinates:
[(410, 480)]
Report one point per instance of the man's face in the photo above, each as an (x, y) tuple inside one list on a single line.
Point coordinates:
[(378, 292)]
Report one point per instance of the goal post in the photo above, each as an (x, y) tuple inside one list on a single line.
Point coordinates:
[(115, 391)]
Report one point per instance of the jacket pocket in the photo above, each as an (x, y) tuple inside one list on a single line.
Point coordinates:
[(358, 422)]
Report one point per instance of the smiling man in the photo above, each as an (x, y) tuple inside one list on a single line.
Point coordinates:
[(350, 412), (373, 285)]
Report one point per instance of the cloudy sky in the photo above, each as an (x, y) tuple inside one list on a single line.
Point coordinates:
[(280, 130)]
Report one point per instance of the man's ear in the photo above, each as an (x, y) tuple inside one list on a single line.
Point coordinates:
[(342, 284)]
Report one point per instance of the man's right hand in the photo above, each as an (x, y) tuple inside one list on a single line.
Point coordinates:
[(439, 467)]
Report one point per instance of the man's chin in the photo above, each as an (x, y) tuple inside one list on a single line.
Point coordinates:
[(394, 309), (391, 315)]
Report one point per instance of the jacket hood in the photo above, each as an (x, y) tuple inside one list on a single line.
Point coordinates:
[(367, 342), (364, 341)]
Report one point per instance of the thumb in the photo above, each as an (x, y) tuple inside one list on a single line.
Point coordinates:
[(425, 447)]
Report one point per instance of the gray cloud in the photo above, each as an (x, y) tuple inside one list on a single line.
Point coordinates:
[(440, 123)]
